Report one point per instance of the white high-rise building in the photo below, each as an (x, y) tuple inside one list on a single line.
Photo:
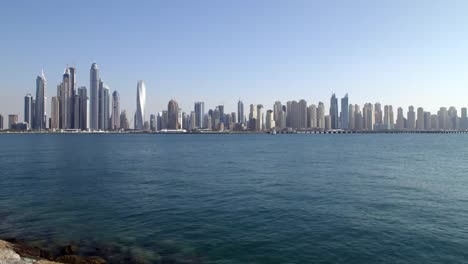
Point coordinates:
[(270, 120), (427, 121), (141, 104), (115, 119), (289, 115), (76, 112), (388, 117), (400, 121), (434, 122), (259, 119), (454, 122), (411, 118), (298, 114), (444, 122), (94, 97), (281, 124), (358, 118), (240, 112), (351, 118), (312, 116), (464, 118), (368, 116), (420, 119), (293, 114), (378, 114), (193, 119), (54, 113), (277, 108), (104, 105), (253, 117), (302, 114), (334, 114), (124, 123), (328, 123), (321, 116), (180, 119)]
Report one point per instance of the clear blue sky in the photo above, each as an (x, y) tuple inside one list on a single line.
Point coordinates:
[(393, 52)]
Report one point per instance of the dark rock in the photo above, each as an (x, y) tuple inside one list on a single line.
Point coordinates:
[(70, 259), (46, 254), (74, 259), (94, 260), (69, 250), (27, 251), (12, 240)]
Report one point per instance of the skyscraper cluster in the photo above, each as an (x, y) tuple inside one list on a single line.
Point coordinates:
[(66, 109), (299, 116), (73, 108)]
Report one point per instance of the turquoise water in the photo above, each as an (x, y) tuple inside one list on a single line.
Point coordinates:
[(382, 198)]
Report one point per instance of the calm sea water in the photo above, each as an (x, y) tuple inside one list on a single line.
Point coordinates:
[(243, 198)]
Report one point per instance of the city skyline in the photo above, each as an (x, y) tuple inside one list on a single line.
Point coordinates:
[(104, 95), (71, 109), (392, 52)]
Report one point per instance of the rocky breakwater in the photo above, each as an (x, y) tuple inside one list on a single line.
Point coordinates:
[(16, 252), (8, 255), (48, 251)]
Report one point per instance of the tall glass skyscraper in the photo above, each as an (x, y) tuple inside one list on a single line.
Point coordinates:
[(66, 100), (321, 116), (344, 112), (334, 112), (40, 111), (71, 102), (140, 107), (104, 99), (28, 111), (106, 107), (83, 115), (221, 113), (240, 112), (94, 97), (199, 114)]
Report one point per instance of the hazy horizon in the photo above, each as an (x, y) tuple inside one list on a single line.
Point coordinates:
[(393, 52)]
